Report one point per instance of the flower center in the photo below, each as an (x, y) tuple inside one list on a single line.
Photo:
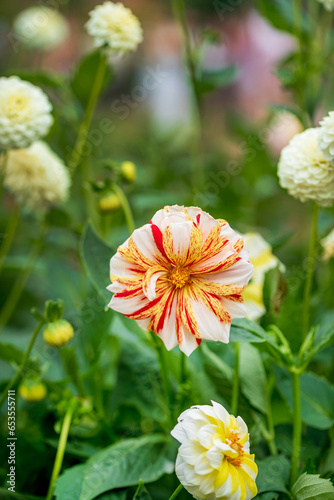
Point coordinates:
[(179, 276), (17, 105), (233, 442)]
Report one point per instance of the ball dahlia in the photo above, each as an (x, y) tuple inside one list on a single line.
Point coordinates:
[(114, 27), (25, 113), (304, 171), (182, 276), (213, 461), (37, 177), (326, 137)]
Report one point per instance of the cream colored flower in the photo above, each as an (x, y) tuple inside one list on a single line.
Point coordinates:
[(115, 27), (304, 171), (328, 4), (213, 461), (326, 137), (262, 258), (40, 28), (182, 276), (328, 246), (37, 177), (25, 113)]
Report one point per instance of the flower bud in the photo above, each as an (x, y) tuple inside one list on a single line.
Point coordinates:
[(109, 203), (32, 391), (58, 333), (129, 171)]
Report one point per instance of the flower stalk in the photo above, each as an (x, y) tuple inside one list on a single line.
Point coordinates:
[(24, 361), (310, 271), (9, 235), (236, 381), (176, 492), (126, 208), (297, 427), (60, 450)]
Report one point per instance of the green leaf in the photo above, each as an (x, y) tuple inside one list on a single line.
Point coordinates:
[(53, 80), (10, 354), (253, 377), (120, 465), (142, 493), (83, 78), (273, 474), (8, 495), (96, 254), (325, 334), (317, 397), (214, 362), (216, 79), (239, 333), (312, 486)]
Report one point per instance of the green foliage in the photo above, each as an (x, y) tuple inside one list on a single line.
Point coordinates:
[(254, 387), (216, 79), (142, 493), (273, 474), (312, 486), (119, 465)]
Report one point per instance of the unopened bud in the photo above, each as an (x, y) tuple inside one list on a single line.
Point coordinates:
[(58, 333), (129, 171), (32, 392), (109, 203)]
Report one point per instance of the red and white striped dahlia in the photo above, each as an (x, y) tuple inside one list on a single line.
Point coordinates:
[(182, 276)]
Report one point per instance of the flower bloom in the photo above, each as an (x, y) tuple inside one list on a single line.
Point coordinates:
[(40, 28), (326, 136), (304, 171), (115, 27), (213, 461), (37, 177), (25, 113), (328, 246), (182, 276), (262, 258)]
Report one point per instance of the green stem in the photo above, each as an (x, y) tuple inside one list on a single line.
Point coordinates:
[(176, 492), (297, 18), (3, 171), (271, 428), (77, 152), (9, 235), (297, 427), (126, 208), (60, 450), (24, 361), (236, 380), (164, 375), (310, 271)]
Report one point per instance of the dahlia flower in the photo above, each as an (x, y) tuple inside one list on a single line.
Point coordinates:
[(304, 171), (36, 176), (114, 27), (328, 246), (262, 258), (181, 276), (40, 28), (326, 136), (213, 461), (25, 113)]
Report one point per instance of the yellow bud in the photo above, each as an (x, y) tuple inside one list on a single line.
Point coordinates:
[(129, 171), (32, 392), (109, 203), (58, 333)]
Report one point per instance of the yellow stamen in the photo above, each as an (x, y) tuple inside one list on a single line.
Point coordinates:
[(179, 276), (234, 442)]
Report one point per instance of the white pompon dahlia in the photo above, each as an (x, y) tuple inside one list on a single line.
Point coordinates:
[(304, 171), (327, 244), (25, 113), (114, 27), (328, 4), (37, 177), (182, 276), (326, 137), (262, 258), (40, 28), (213, 461)]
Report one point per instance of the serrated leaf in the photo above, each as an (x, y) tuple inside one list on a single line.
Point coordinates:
[(96, 255), (317, 397), (142, 493), (117, 466), (273, 474), (312, 486), (253, 377)]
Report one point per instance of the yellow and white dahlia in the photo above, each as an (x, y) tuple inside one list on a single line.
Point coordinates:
[(304, 171), (213, 461), (182, 276), (25, 113), (40, 28), (37, 177), (262, 258), (114, 27), (326, 136), (328, 246)]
